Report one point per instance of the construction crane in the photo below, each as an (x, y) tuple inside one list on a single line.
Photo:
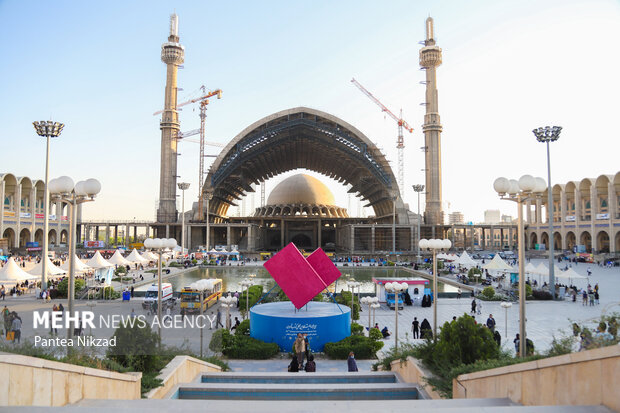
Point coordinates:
[(402, 124), (204, 101)]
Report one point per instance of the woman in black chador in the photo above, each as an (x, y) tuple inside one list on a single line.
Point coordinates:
[(425, 329)]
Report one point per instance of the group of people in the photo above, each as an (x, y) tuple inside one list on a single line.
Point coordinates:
[(12, 325), (301, 348)]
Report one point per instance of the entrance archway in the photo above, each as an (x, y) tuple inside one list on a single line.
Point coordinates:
[(557, 241), (586, 239), (52, 237), (544, 239), (533, 240), (38, 236), (301, 241), (602, 241), (9, 234), (63, 236), (24, 237), (571, 240)]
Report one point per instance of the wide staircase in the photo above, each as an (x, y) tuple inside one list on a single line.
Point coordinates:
[(306, 392)]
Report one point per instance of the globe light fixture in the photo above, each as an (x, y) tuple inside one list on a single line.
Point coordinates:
[(527, 187), (63, 189), (434, 245)]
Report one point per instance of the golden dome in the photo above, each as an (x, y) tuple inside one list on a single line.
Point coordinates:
[(301, 189)]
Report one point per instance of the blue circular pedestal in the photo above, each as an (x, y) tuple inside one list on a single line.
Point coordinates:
[(280, 322)]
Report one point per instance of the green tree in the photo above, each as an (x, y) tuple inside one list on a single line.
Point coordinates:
[(63, 286), (136, 347)]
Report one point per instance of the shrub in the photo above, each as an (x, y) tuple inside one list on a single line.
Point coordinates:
[(375, 334), (121, 269), (243, 329), (474, 274), (488, 292), (246, 347), (357, 329), (216, 343), (363, 347), (136, 347), (63, 286), (541, 295), (255, 293), (345, 298), (528, 291)]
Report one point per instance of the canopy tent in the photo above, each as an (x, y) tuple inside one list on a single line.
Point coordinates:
[(570, 274), (497, 264), (118, 259), (79, 265), (465, 260), (213, 251), (11, 272), (51, 269), (97, 261), (149, 256), (443, 256), (135, 257), (530, 268), (542, 269)]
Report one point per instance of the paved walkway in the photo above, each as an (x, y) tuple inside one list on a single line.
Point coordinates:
[(281, 365)]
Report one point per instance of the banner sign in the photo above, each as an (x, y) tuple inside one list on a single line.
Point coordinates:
[(93, 244), (32, 244), (34, 249), (602, 216), (9, 213), (570, 218), (39, 216), (24, 215), (52, 217), (64, 218)]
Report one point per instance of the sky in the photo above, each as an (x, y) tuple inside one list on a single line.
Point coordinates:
[(508, 67)]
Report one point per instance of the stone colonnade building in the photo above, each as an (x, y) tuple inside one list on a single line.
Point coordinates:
[(21, 220), (585, 213)]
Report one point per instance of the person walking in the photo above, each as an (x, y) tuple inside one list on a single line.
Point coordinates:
[(473, 306), (517, 341), (351, 364), (300, 349), (479, 307), (307, 344), (218, 319), (16, 327), (491, 323), (458, 293), (415, 328)]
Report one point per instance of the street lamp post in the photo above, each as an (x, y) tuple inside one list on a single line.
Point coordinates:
[(227, 303), (396, 288), (374, 307), (418, 189), (183, 186), (352, 285), (202, 297), (159, 245), (247, 284), (506, 305), (64, 190), (208, 197), (48, 129), (370, 301), (549, 134), (435, 244), (520, 191)]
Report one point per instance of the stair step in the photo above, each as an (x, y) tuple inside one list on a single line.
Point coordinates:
[(280, 378)]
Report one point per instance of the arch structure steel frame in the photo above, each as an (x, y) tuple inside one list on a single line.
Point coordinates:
[(303, 138)]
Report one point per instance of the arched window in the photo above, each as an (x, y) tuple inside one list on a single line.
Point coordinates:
[(588, 204), (603, 202)]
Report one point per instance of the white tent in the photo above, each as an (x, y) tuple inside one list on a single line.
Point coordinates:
[(79, 265), (443, 256), (135, 257), (97, 261), (11, 272), (465, 260), (51, 269), (542, 269), (570, 274), (530, 268), (497, 264), (149, 256), (118, 259)]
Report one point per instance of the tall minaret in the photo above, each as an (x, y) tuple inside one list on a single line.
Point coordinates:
[(172, 54), (430, 58)]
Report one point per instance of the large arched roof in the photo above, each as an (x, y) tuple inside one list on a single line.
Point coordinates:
[(303, 138)]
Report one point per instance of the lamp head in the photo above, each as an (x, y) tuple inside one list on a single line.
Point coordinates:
[(527, 183), (540, 186), (501, 185), (447, 244), (424, 243), (513, 187), (92, 187), (63, 185)]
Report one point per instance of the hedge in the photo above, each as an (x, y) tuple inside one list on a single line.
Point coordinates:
[(363, 347)]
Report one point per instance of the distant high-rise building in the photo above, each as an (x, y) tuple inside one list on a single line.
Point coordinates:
[(456, 218), (492, 216), (507, 219)]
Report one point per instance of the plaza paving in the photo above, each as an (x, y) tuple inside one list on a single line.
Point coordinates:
[(544, 319)]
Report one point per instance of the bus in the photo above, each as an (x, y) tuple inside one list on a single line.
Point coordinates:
[(190, 296)]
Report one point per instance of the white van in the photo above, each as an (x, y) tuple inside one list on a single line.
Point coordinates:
[(167, 299)]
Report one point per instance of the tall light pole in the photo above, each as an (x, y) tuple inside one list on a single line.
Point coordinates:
[(352, 285), (520, 191), (48, 129), (374, 307), (183, 186), (549, 134), (418, 189), (159, 245), (227, 303), (370, 301), (396, 288), (208, 197), (435, 244), (62, 189), (247, 284)]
